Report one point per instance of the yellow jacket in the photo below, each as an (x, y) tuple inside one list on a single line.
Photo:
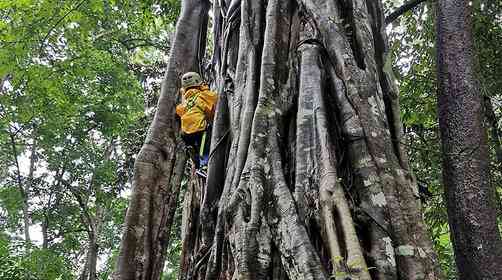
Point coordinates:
[(196, 109)]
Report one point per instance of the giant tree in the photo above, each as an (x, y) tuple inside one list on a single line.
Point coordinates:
[(307, 177)]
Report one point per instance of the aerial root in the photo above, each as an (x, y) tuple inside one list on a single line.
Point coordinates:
[(339, 233), (336, 220)]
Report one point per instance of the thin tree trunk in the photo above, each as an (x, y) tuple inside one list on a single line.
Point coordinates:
[(156, 169), (29, 185), (469, 193), (45, 233), (24, 190), (89, 271), (93, 243), (190, 226), (91, 222), (47, 208), (85, 271)]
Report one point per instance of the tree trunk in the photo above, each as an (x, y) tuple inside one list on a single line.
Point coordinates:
[(93, 221), (92, 253), (29, 186), (93, 224), (469, 193), (23, 190), (45, 234), (159, 166), (307, 178), (91, 258)]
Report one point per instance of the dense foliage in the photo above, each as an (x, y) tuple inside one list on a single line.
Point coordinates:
[(78, 81), (75, 76)]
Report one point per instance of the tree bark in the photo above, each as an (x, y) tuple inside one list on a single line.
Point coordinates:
[(307, 178), (93, 223), (91, 258), (469, 193), (160, 163)]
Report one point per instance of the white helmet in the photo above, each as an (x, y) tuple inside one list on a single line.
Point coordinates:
[(191, 79)]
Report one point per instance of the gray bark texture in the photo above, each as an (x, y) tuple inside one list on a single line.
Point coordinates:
[(160, 164), (469, 193), (307, 178)]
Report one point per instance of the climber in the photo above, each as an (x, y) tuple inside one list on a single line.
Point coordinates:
[(196, 112)]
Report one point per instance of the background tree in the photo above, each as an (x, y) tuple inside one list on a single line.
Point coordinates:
[(471, 200), (413, 39)]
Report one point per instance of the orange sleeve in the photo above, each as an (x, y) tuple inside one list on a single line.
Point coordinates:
[(180, 110), (210, 98)]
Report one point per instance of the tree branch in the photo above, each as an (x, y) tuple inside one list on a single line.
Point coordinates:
[(401, 10), (42, 43), (130, 45)]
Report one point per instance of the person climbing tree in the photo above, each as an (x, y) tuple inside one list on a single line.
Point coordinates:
[(312, 181), (196, 112)]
